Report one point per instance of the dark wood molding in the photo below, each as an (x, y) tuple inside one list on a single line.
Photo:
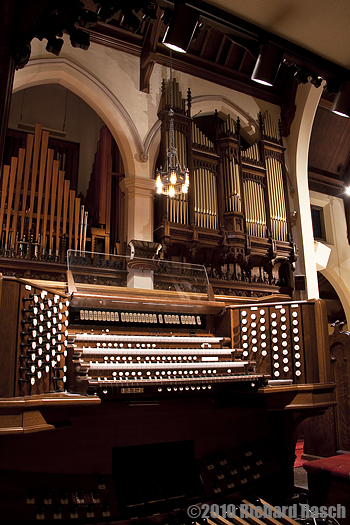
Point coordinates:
[(324, 182), (193, 65), (218, 74), (116, 38), (148, 54)]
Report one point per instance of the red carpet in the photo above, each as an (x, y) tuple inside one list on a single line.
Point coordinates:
[(299, 449)]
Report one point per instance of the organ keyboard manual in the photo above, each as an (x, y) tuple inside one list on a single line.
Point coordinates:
[(151, 344), (121, 402)]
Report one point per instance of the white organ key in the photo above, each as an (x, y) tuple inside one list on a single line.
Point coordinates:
[(157, 351), (146, 338), (168, 365)]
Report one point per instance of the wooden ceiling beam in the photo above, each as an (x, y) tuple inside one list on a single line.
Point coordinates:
[(205, 43), (228, 56), (149, 52), (218, 54)]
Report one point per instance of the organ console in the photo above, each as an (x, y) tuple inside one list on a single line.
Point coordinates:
[(121, 403)]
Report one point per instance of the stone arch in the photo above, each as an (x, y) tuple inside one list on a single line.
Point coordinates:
[(95, 94), (206, 104), (341, 288)]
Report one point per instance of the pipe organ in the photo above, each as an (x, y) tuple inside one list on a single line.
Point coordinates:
[(40, 215), (236, 211), (152, 400)]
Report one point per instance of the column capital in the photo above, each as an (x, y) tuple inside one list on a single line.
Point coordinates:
[(138, 186)]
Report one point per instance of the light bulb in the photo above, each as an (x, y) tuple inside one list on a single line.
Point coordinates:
[(173, 177), (171, 191), (159, 184)]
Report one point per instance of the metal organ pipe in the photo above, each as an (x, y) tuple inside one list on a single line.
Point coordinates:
[(238, 200), (205, 198), (262, 212), (276, 199), (270, 129), (224, 168), (255, 208), (202, 186), (231, 185), (247, 206)]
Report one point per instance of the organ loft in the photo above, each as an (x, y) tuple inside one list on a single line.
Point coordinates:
[(161, 347)]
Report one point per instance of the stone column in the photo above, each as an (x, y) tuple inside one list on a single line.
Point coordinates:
[(139, 196), (297, 143)]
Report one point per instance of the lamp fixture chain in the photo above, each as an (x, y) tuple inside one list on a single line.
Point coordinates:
[(171, 150), (172, 181)]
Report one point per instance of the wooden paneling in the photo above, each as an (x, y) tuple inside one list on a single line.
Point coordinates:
[(326, 435), (9, 305), (330, 143)]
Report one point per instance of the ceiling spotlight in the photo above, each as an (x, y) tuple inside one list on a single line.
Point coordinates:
[(341, 105), (267, 65), (181, 29)]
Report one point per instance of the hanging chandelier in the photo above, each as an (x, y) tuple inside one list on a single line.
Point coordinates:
[(173, 180)]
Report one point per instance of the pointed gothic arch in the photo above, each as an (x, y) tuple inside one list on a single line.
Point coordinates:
[(95, 94)]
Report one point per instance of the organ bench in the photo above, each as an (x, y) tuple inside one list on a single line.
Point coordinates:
[(123, 404)]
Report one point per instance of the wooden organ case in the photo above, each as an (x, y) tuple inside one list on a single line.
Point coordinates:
[(235, 218), (150, 400)]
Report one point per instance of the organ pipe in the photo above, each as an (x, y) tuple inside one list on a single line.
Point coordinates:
[(37, 193), (205, 198), (255, 208), (276, 199)]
